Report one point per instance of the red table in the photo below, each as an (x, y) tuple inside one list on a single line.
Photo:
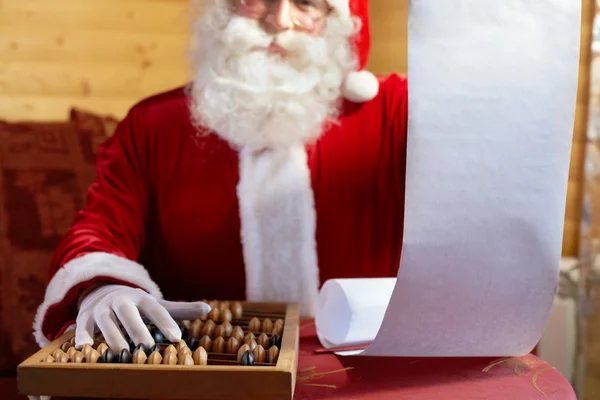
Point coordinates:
[(327, 376)]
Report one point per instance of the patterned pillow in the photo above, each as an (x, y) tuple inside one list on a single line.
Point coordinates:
[(45, 171)]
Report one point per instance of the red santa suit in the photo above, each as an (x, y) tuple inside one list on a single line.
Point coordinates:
[(165, 212)]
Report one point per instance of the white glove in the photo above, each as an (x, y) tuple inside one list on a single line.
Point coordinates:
[(109, 306)]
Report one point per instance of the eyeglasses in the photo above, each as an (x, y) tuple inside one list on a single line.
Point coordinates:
[(304, 14)]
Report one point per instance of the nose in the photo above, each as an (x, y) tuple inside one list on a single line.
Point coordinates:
[(281, 16)]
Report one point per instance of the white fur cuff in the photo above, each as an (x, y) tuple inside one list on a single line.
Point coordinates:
[(86, 268)]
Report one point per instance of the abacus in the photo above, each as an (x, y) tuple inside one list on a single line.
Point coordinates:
[(240, 350)]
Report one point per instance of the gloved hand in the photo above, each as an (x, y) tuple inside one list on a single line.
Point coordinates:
[(109, 306)]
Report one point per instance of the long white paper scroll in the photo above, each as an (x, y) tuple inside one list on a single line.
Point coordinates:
[(492, 94)]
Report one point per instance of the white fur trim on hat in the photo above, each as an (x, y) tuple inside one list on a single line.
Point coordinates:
[(360, 86)]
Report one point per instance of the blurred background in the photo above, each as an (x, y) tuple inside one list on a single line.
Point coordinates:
[(70, 69)]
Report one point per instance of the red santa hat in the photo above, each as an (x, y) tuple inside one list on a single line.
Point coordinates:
[(360, 85)]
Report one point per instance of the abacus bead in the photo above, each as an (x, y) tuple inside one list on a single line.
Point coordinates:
[(183, 352), (272, 355), (77, 357), (209, 330), (49, 359), (200, 356), (226, 315), (247, 358), (56, 352), (141, 347), (66, 346), (155, 358), (228, 328), (63, 358), (243, 349), (170, 359), (102, 347), (92, 357), (183, 328), (170, 349), (276, 341), (214, 314), (238, 333), (139, 357), (252, 344), (187, 360), (180, 345), (157, 347), (220, 331), (158, 336), (263, 340), (254, 325), (259, 354), (232, 345), (267, 325), (219, 345), (108, 356), (206, 342), (237, 310), (192, 343), (86, 349), (249, 338), (196, 328), (72, 341), (71, 352), (124, 357)]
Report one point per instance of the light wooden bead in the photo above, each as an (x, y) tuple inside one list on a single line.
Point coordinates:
[(170, 358), (56, 352), (279, 323), (226, 315), (206, 342), (49, 359), (77, 357), (214, 314), (241, 351), (139, 357), (272, 355), (66, 346), (228, 328), (233, 345), (252, 344), (63, 358), (187, 323), (249, 338), (72, 341), (254, 325), (155, 358), (218, 345), (170, 349), (267, 325), (259, 354), (238, 333), (92, 356), (183, 352), (263, 340), (71, 352), (186, 360), (196, 328), (209, 329), (224, 305), (237, 310), (86, 349), (181, 345), (220, 331), (102, 347), (200, 356)]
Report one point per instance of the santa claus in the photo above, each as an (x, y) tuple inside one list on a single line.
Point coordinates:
[(280, 166)]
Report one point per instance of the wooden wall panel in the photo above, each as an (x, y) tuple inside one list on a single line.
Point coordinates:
[(105, 55)]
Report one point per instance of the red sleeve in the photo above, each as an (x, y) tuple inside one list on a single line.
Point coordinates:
[(396, 100), (104, 241)]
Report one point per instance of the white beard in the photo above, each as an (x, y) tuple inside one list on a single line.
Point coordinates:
[(268, 108), (254, 98)]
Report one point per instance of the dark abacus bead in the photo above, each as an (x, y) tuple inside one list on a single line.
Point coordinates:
[(124, 357), (108, 357), (247, 358), (276, 341), (192, 343), (158, 336), (156, 347), (184, 331), (142, 347)]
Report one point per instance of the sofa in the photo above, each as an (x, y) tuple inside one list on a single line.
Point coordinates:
[(45, 170)]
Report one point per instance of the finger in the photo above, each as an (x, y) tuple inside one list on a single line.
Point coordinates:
[(84, 330), (184, 310), (156, 313), (107, 322), (129, 316)]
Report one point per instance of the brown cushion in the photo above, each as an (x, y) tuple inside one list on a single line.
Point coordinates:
[(45, 171)]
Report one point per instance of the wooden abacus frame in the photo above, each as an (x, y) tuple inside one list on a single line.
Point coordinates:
[(147, 381)]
